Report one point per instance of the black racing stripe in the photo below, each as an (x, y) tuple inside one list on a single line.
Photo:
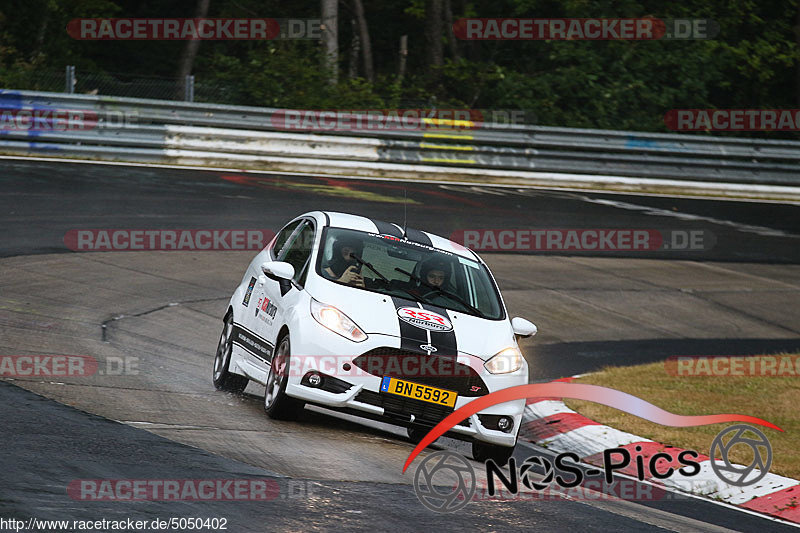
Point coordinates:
[(385, 228), (411, 337), (418, 236), (252, 343), (445, 342)]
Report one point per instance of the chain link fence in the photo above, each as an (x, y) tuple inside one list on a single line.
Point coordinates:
[(195, 89), (124, 85), (232, 91), (33, 80), (191, 89), (188, 89)]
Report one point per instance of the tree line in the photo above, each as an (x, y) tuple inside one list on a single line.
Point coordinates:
[(404, 53)]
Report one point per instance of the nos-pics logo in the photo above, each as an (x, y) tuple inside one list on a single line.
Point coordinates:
[(445, 481)]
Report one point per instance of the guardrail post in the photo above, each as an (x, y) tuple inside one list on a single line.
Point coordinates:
[(188, 85), (69, 86)]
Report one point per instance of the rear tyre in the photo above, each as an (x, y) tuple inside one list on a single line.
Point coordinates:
[(277, 404), (482, 452), (224, 379)]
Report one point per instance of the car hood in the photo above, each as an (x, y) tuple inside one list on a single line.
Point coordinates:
[(446, 330)]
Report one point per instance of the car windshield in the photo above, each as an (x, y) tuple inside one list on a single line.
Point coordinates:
[(397, 267)]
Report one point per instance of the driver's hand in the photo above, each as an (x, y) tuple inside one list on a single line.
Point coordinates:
[(352, 277)]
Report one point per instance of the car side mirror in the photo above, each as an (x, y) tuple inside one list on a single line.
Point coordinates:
[(523, 328), (278, 269)]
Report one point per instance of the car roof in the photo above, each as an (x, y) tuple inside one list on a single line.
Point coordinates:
[(372, 225)]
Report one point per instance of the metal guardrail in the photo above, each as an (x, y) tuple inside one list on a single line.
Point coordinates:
[(168, 130)]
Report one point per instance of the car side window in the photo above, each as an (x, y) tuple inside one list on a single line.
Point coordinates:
[(480, 292), (298, 251), (283, 236)]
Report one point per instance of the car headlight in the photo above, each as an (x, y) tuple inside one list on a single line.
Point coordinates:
[(336, 321), (505, 361)]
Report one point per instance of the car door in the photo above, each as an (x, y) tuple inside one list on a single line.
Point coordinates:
[(276, 298), (257, 309)]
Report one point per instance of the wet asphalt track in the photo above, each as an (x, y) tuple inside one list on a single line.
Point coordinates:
[(42, 312), (42, 200)]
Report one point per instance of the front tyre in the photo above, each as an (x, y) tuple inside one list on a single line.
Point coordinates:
[(222, 377), (416, 434), (482, 452), (277, 404)]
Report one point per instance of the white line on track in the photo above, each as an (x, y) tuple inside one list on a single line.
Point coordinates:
[(654, 211)]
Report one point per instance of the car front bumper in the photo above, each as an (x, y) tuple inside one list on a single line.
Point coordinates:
[(318, 349)]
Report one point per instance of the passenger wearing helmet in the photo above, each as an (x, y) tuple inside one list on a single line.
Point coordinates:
[(343, 267)]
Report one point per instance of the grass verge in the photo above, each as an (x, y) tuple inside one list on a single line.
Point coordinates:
[(775, 399)]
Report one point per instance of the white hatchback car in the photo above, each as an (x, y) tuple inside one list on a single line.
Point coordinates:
[(369, 318)]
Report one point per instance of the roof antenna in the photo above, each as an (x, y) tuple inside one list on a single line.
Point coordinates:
[(405, 211)]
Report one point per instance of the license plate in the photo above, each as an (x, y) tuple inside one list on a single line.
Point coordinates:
[(418, 392)]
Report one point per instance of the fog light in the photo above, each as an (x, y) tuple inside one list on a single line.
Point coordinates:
[(505, 423), (315, 380)]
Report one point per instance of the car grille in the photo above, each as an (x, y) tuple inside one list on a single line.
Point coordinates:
[(442, 372), (400, 408)]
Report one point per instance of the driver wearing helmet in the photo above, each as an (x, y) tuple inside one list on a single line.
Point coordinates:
[(435, 272), (343, 267)]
